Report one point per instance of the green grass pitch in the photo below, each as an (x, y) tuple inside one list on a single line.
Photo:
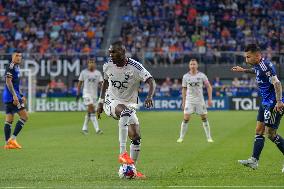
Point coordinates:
[(55, 154)]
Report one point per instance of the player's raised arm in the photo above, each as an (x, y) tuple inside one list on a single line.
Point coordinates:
[(240, 69), (102, 97), (152, 86)]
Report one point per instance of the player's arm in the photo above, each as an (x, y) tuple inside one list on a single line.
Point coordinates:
[(209, 92), (102, 98), (240, 69), (11, 89), (152, 86), (278, 93), (79, 90), (183, 93)]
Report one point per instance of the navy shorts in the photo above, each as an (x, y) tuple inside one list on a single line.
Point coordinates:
[(12, 109), (269, 117)]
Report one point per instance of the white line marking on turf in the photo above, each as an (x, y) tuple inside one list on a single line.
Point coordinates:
[(24, 187)]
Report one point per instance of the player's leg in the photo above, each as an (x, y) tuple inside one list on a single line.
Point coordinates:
[(123, 113), (93, 118), (7, 128), (259, 140), (135, 137), (206, 127), (87, 116), (184, 127)]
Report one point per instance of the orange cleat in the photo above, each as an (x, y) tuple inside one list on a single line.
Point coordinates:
[(9, 146), (124, 158), (14, 143), (140, 175)]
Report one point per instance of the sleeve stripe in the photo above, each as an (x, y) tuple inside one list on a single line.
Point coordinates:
[(136, 65)]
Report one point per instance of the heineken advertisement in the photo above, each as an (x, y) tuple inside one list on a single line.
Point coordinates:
[(160, 104), (59, 104)]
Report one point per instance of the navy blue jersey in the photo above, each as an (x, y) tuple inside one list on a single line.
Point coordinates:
[(264, 71), (12, 70)]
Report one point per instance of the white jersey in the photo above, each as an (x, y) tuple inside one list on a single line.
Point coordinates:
[(194, 85), (91, 82), (124, 81)]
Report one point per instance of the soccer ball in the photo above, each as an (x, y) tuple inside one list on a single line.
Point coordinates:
[(127, 171)]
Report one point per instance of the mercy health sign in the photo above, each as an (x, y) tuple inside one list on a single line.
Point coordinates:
[(160, 104)]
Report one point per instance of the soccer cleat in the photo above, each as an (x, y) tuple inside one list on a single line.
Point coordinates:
[(140, 175), (85, 132), (14, 143), (124, 158), (251, 162), (99, 132), (210, 140), (180, 140), (9, 146)]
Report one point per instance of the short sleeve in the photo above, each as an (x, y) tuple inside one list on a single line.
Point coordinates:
[(184, 81), (81, 77), (205, 79), (271, 71), (104, 71), (143, 74), (9, 71)]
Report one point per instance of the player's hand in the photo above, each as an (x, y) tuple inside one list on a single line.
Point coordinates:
[(15, 100), (99, 110), (279, 106), (77, 98), (148, 102), (210, 103), (237, 69), (24, 99)]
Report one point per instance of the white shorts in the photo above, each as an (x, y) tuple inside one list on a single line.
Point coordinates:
[(110, 105), (88, 100), (191, 108)]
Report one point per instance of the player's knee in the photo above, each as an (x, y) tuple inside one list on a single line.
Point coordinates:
[(136, 140), (270, 133), (24, 117)]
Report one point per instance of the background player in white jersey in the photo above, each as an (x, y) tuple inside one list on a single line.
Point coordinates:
[(91, 79), (122, 78), (193, 99)]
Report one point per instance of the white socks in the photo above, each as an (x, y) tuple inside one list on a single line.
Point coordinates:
[(183, 129), (123, 132), (85, 125), (95, 122), (134, 152), (206, 127)]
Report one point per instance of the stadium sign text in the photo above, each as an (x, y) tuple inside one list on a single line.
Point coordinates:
[(244, 104), (55, 104), (60, 67)]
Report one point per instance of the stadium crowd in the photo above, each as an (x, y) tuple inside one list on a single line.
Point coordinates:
[(49, 26), (170, 31)]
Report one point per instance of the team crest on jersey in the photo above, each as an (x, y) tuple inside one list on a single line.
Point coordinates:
[(268, 73)]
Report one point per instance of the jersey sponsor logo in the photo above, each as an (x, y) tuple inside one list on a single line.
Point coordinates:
[(119, 84), (194, 84), (91, 80)]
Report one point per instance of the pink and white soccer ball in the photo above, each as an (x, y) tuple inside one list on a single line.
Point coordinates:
[(127, 171)]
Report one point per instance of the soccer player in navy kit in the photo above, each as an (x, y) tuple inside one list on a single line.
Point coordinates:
[(271, 109), (14, 102)]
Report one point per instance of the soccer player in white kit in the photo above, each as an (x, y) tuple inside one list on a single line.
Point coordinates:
[(119, 97), (193, 99), (91, 79)]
